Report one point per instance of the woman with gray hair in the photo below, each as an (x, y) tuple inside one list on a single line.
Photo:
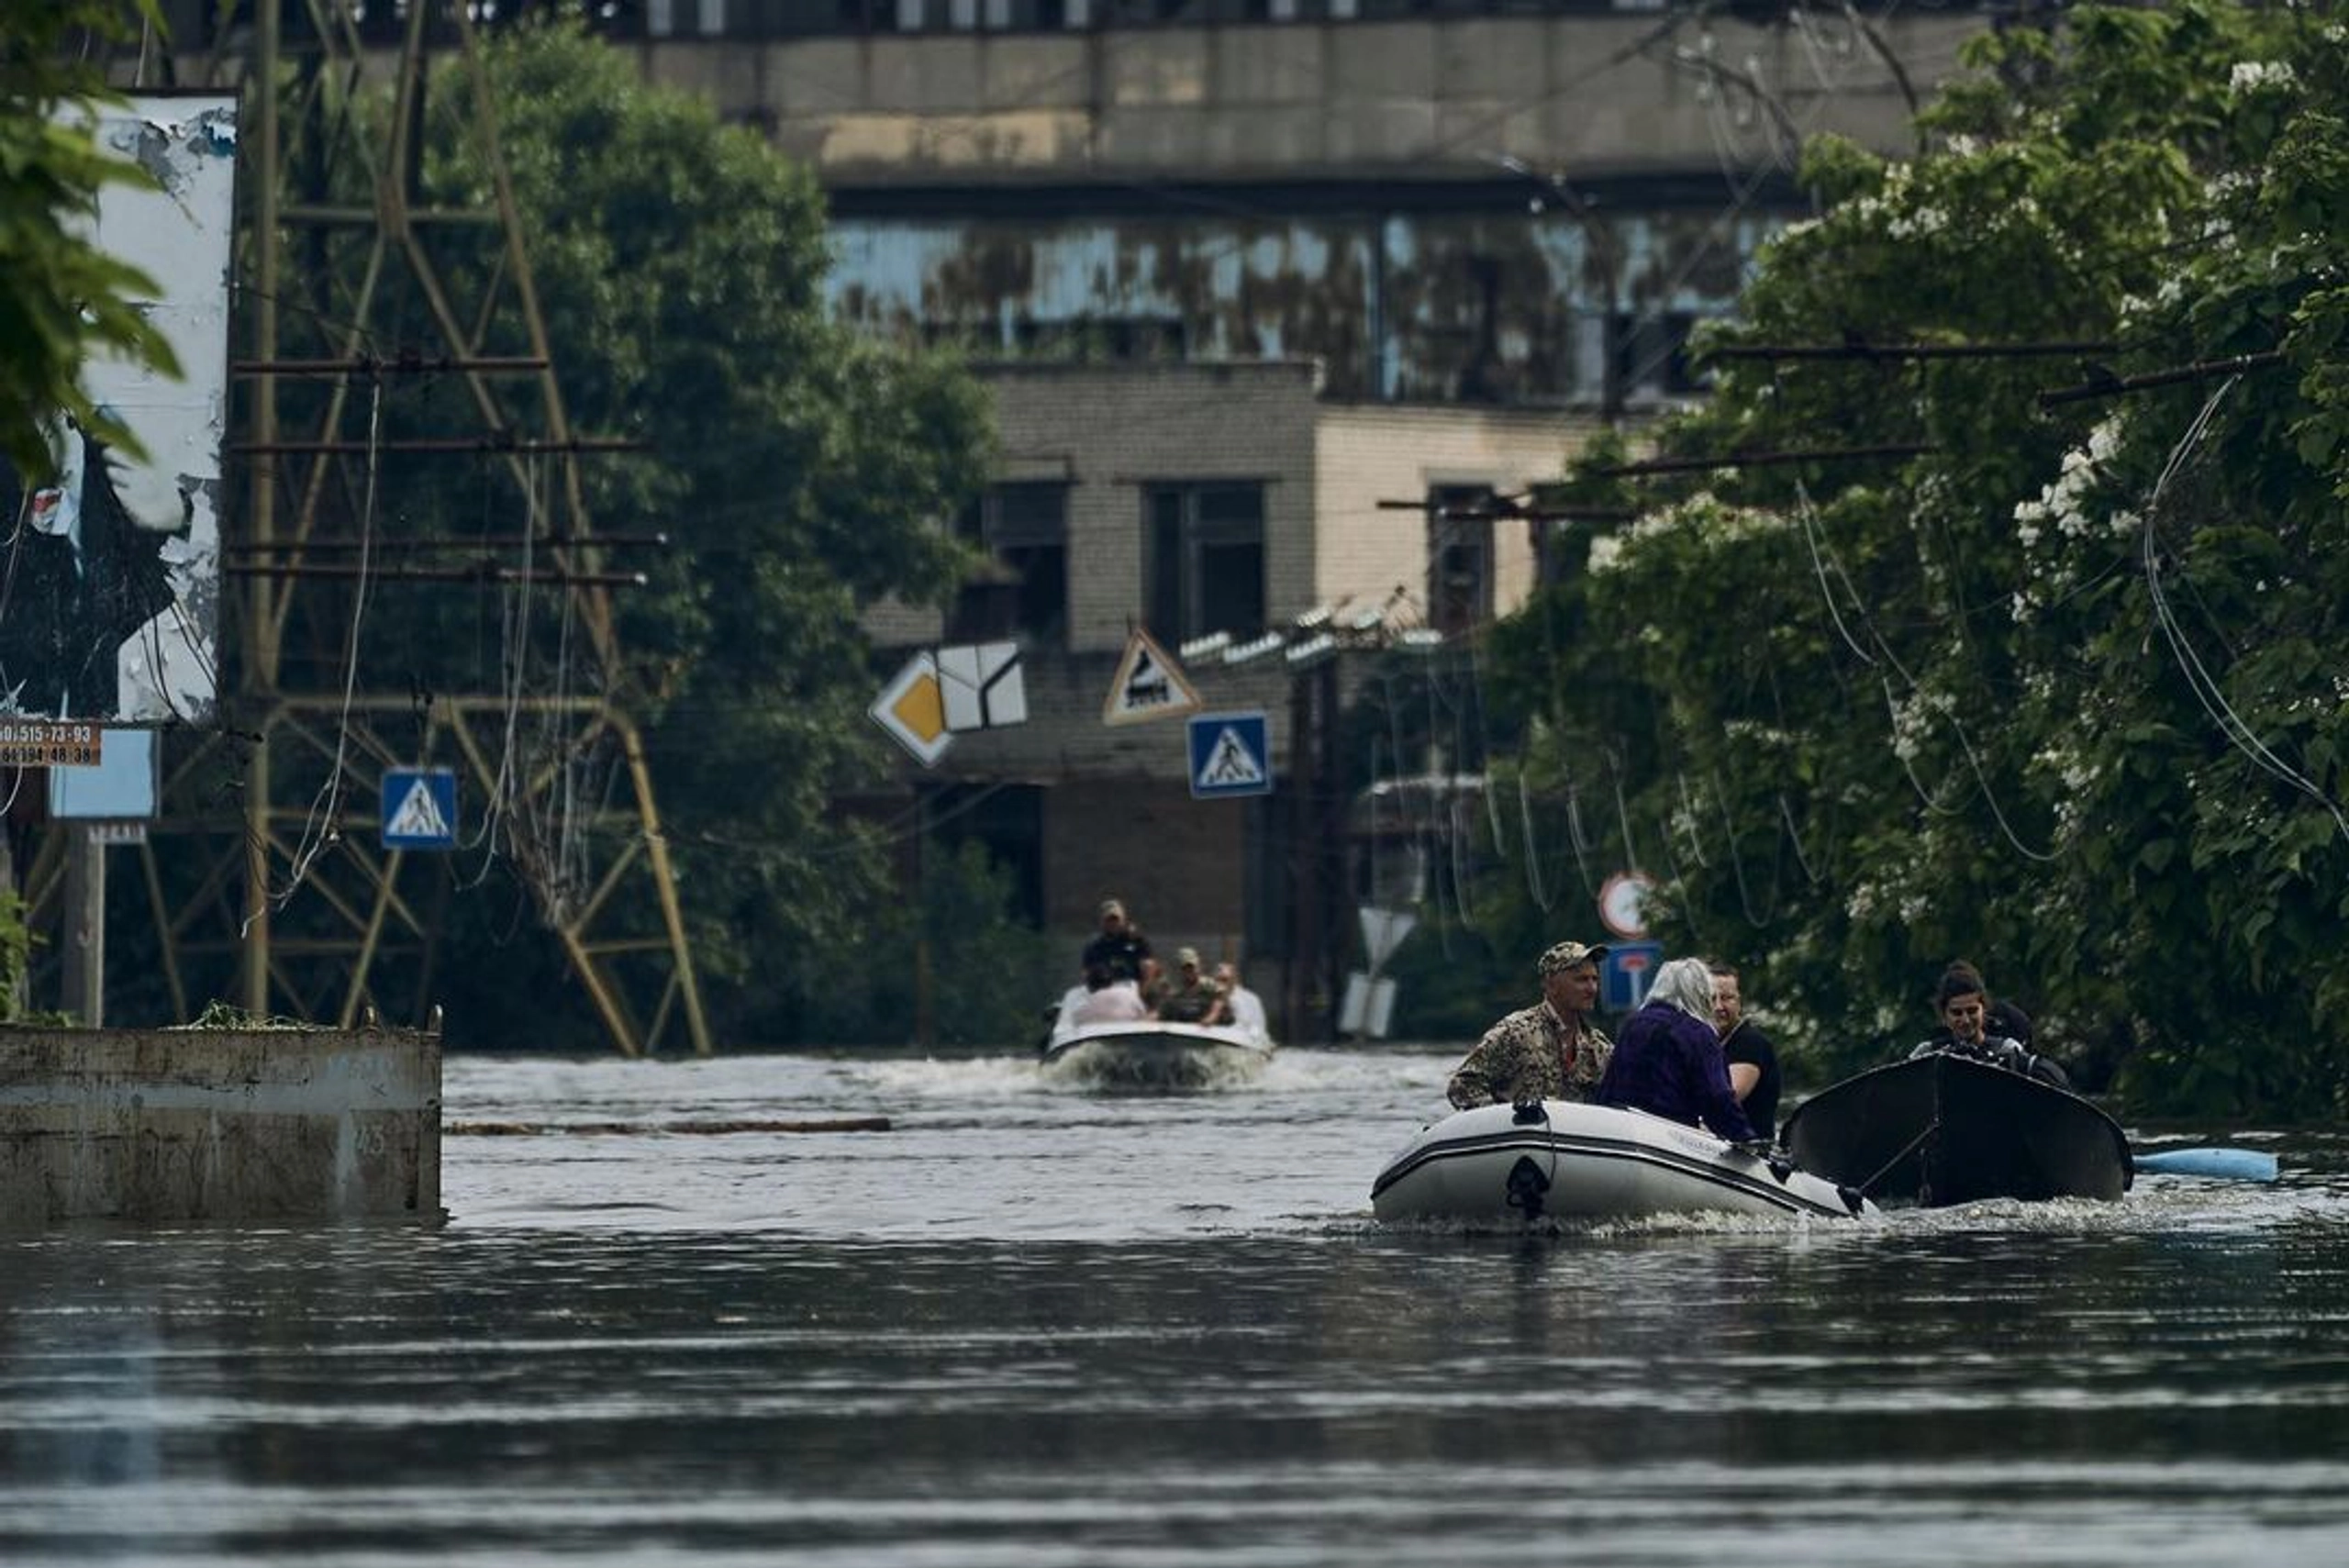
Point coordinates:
[(1668, 1060)]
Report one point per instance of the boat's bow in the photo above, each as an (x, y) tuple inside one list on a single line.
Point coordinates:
[(1946, 1129), (1154, 1054)]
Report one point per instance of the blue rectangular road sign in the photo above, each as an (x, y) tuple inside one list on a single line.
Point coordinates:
[(1630, 970), (1231, 753), (419, 809)]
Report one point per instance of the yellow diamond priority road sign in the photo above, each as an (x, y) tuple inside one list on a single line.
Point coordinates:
[(912, 708)]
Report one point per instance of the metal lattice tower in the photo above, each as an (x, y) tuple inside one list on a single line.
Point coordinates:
[(324, 924)]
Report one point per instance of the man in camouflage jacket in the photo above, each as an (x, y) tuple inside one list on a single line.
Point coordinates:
[(1548, 1052)]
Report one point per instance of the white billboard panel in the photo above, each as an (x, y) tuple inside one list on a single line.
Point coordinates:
[(110, 586)]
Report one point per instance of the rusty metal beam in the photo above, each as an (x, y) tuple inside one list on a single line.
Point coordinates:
[(293, 736)]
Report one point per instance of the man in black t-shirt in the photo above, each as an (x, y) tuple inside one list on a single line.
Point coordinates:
[(1121, 948), (1753, 1060)]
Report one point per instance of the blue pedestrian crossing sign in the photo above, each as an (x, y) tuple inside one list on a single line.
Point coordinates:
[(419, 809), (1231, 753)]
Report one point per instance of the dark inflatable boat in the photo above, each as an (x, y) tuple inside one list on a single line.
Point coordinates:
[(1948, 1128)]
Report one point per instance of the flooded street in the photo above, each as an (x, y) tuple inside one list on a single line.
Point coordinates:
[(1034, 1324)]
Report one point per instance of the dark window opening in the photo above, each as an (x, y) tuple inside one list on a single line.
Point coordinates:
[(1652, 356), (1117, 339), (1460, 557), (1024, 527), (1203, 559), (1009, 820)]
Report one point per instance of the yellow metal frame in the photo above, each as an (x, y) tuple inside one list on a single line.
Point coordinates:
[(359, 889)]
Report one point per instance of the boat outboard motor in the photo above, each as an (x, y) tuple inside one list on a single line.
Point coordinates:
[(1527, 1181), (1527, 1184)]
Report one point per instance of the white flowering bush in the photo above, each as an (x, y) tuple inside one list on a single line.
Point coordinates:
[(2057, 682)]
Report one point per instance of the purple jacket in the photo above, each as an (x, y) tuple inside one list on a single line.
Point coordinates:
[(1671, 1065)]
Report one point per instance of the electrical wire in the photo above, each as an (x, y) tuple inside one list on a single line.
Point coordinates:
[(2198, 679), (323, 824)]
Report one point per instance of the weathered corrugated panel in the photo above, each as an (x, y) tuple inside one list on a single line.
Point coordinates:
[(1476, 306)]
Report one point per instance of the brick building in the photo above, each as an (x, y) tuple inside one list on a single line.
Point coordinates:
[(1190, 500)]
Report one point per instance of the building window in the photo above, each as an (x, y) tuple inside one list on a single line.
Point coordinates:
[(1116, 339), (674, 18), (1025, 528), (1203, 559), (1460, 557), (1651, 356)]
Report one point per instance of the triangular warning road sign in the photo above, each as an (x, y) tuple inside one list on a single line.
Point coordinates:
[(1149, 685), (419, 816)]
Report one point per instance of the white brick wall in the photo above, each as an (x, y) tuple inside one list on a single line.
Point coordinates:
[(1370, 452), (1112, 429)]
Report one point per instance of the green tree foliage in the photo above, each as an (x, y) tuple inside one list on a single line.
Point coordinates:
[(989, 977), (2067, 693), (799, 474), (61, 299)]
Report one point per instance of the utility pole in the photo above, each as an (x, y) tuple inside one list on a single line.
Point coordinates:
[(85, 925), (1317, 850), (261, 481)]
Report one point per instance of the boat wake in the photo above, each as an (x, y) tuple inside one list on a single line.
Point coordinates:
[(1103, 1066)]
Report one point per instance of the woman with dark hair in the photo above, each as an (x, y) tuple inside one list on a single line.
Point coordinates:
[(2005, 1018), (1965, 1009), (1668, 1060)]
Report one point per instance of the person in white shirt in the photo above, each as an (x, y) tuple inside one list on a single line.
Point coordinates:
[(1107, 1001), (1247, 1007)]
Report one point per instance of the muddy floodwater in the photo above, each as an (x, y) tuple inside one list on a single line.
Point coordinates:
[(1035, 1323)]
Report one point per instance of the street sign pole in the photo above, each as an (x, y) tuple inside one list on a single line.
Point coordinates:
[(85, 926)]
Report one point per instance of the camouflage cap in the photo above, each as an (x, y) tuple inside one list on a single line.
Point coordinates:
[(1186, 957), (1569, 955)]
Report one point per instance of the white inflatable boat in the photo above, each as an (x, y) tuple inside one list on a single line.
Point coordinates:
[(1148, 1053), (1557, 1160)]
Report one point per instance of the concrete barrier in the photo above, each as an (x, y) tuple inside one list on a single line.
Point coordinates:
[(218, 1124)]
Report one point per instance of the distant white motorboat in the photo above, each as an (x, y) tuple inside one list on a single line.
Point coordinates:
[(1559, 1159), (1151, 1053)]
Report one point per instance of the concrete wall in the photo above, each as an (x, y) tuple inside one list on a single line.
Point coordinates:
[(1177, 862), (1404, 100), (166, 1125)]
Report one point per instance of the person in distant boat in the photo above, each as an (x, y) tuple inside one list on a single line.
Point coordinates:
[(1965, 1009), (2005, 1019), (1121, 947), (1669, 1062), (1247, 1007), (1548, 1052), (1190, 998), (1107, 1000), (1753, 1060)]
